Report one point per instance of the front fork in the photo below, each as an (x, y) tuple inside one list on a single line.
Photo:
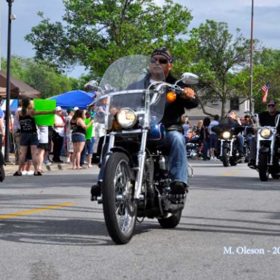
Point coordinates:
[(270, 148), (141, 164), (141, 160), (223, 144)]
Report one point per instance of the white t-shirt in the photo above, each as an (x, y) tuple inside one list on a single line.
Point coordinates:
[(212, 124), (59, 121), (43, 134)]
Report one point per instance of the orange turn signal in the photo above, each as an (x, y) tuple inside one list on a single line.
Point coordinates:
[(171, 96)]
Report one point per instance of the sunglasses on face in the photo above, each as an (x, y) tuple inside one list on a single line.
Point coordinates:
[(159, 60), (271, 105)]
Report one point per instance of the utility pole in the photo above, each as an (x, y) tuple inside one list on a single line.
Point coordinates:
[(8, 90), (251, 57)]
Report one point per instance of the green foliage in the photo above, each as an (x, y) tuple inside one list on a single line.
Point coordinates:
[(218, 54), (40, 76), (266, 68), (96, 33)]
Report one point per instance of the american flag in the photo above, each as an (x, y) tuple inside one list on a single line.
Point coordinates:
[(265, 89)]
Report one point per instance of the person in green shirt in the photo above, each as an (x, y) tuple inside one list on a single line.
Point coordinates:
[(88, 149)]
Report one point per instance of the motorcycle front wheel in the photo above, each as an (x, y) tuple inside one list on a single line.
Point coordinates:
[(119, 206), (263, 167), (225, 158)]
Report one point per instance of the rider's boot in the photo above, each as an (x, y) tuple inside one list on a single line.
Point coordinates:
[(178, 188)]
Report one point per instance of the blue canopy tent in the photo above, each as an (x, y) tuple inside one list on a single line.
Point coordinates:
[(74, 98)]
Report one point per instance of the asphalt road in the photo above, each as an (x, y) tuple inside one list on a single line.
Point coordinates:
[(230, 229)]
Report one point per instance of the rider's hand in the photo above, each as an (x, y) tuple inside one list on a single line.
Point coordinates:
[(188, 93), (114, 110)]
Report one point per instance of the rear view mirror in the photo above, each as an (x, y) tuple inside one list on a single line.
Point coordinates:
[(189, 78)]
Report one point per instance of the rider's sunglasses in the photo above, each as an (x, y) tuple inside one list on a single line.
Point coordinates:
[(271, 105), (159, 60)]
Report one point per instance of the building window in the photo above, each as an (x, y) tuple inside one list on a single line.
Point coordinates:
[(247, 106), (234, 104)]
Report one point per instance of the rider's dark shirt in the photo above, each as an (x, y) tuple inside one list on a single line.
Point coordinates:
[(173, 111), (266, 119), (228, 124)]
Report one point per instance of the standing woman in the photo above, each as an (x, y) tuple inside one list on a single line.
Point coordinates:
[(78, 136), (29, 137)]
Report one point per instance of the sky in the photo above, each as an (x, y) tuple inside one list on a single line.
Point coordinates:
[(236, 13)]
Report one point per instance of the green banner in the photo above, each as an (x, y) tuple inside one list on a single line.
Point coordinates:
[(44, 105), (89, 129)]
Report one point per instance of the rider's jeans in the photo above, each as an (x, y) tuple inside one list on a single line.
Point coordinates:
[(240, 139), (177, 159)]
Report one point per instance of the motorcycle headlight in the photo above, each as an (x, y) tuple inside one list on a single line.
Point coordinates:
[(126, 117), (226, 135), (265, 133)]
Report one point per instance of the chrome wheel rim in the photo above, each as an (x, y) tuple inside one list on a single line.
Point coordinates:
[(124, 202)]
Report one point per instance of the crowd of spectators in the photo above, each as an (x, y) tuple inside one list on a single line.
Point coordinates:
[(73, 136), (69, 141)]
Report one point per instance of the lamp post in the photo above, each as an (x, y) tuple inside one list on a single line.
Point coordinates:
[(251, 57), (8, 90)]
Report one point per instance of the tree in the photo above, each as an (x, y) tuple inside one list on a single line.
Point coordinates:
[(219, 56), (266, 69), (267, 63), (40, 76), (95, 33)]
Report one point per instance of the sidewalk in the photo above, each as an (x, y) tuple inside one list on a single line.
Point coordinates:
[(11, 167)]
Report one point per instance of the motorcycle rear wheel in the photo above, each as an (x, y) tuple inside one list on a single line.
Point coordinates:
[(263, 167), (171, 221), (275, 169), (119, 206), (233, 161), (2, 173)]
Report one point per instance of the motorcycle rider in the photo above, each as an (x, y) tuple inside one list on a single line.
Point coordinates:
[(236, 124), (266, 118), (161, 62), (249, 131), (213, 137)]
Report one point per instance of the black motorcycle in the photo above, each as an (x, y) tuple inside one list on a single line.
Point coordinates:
[(134, 181), (228, 145), (248, 134), (268, 151), (192, 147)]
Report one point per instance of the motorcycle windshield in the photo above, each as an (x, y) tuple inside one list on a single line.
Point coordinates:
[(126, 84)]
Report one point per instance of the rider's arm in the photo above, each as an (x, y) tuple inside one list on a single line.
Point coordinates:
[(189, 97)]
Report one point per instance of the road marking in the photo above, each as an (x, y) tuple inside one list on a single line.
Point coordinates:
[(35, 210), (230, 173)]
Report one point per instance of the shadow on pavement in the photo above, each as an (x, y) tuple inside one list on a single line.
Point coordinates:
[(231, 226), (72, 232), (240, 183)]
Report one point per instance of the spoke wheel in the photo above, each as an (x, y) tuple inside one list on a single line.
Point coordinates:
[(119, 207)]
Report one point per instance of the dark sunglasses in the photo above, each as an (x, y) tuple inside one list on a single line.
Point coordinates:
[(159, 60), (271, 105)]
